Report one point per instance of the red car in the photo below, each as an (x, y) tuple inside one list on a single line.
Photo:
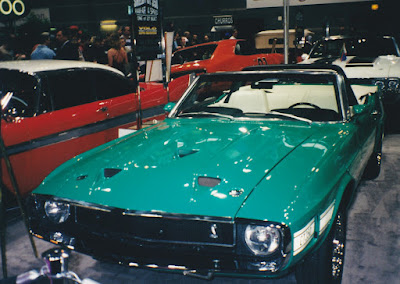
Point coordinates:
[(224, 55), (53, 110)]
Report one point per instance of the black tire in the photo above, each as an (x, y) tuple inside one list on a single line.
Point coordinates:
[(326, 264)]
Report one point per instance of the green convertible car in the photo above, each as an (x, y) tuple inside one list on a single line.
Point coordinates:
[(250, 175)]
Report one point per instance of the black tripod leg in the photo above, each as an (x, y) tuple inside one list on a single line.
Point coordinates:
[(17, 193), (3, 227)]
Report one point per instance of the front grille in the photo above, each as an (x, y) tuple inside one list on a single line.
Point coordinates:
[(148, 239), (143, 227)]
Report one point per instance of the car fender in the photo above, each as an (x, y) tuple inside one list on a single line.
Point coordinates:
[(315, 188)]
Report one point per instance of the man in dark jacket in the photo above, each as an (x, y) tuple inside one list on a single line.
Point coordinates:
[(67, 50)]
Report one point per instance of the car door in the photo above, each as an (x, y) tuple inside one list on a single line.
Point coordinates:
[(76, 122), (69, 120), (117, 95), (367, 122)]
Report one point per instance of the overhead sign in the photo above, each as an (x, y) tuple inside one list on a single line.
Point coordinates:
[(42, 13), (148, 29), (13, 9), (223, 20), (279, 3)]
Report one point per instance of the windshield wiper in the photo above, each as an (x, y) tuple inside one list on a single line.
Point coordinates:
[(205, 113), (290, 116)]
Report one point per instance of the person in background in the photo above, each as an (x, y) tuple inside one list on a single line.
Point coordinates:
[(76, 39), (116, 55), (188, 38), (11, 49), (95, 52), (7, 48), (126, 34), (6, 53), (42, 50), (206, 38), (183, 42), (176, 44), (68, 50), (234, 34), (84, 44), (195, 39), (129, 47)]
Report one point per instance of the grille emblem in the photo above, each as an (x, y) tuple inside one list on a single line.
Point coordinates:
[(214, 233)]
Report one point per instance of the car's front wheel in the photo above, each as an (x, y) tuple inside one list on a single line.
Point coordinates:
[(326, 264)]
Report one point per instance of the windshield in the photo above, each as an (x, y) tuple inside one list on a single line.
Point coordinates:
[(282, 96), (365, 47)]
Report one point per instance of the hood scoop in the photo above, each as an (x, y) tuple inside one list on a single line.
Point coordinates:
[(208, 181), (110, 172), (361, 62), (186, 152), (81, 177)]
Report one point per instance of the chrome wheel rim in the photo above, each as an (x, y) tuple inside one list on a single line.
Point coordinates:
[(338, 247)]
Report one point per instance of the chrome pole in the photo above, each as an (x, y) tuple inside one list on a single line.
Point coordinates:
[(286, 5)]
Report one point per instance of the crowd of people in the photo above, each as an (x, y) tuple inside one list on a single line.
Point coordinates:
[(186, 38), (71, 43)]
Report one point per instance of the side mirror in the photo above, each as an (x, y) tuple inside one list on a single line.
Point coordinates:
[(357, 109), (168, 107), (304, 56)]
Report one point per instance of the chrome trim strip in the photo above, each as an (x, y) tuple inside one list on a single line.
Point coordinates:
[(82, 131), (326, 217), (91, 207), (188, 243), (172, 216), (137, 213), (83, 204)]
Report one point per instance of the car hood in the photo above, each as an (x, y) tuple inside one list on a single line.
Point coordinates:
[(185, 166), (363, 67)]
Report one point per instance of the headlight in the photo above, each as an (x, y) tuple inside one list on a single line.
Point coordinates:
[(387, 84), (262, 240), (57, 212), (393, 85), (381, 85)]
